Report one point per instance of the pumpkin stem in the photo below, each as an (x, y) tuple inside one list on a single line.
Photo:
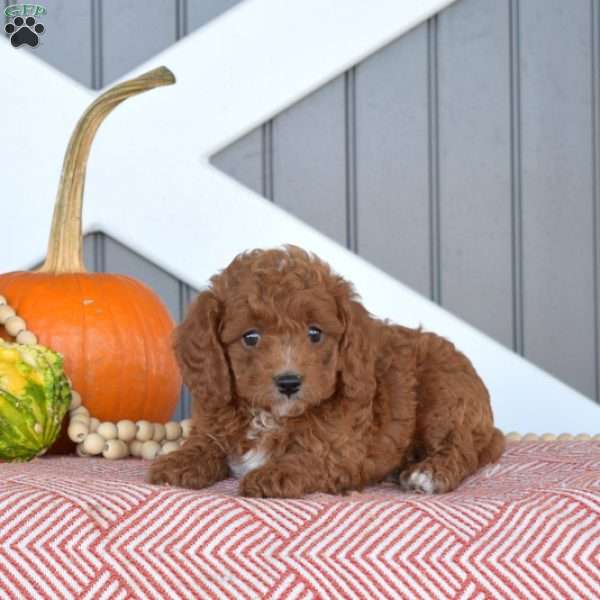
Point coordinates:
[(65, 246)]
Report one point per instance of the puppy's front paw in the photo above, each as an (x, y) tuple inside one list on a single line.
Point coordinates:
[(181, 468), (423, 479), (271, 482)]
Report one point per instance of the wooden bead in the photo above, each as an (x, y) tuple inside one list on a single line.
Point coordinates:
[(145, 431), (159, 432), (135, 448), (80, 410), (186, 427), (172, 431), (77, 431), (2, 300), (549, 437), (94, 443), (115, 449), (126, 430), (583, 437), (14, 325), (150, 450), (94, 424), (107, 430), (82, 418), (75, 400), (596, 437), (26, 338), (169, 447), (6, 312), (530, 437), (565, 437), (513, 436), (80, 451)]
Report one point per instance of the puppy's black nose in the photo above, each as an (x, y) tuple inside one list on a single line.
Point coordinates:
[(288, 383)]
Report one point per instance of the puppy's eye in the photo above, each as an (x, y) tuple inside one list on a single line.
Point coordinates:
[(315, 335), (251, 338)]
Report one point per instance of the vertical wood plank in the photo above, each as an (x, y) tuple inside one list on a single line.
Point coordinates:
[(475, 165), (89, 249), (516, 170), (94, 252), (392, 161), (267, 160), (351, 166), (558, 267), (309, 160), (100, 252), (433, 111), (66, 42), (97, 45), (243, 160), (181, 18), (133, 31)]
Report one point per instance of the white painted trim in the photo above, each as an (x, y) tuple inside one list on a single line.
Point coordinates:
[(150, 184)]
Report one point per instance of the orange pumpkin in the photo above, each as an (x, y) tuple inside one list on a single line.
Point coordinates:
[(114, 332)]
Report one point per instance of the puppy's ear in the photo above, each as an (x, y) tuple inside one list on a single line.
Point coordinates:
[(357, 352), (200, 354)]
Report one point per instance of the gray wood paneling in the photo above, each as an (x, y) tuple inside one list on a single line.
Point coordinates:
[(89, 251), (556, 142), (244, 161), (132, 31), (475, 164), (98, 41), (392, 165), (66, 43), (309, 160), (200, 12)]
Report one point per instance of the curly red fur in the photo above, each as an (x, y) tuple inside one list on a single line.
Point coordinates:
[(376, 401)]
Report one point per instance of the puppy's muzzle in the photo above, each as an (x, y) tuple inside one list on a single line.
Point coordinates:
[(288, 383)]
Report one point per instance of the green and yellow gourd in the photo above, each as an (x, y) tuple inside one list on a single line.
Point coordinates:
[(34, 397)]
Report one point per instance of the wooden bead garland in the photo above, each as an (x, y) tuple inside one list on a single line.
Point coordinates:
[(94, 438), (148, 440), (141, 440)]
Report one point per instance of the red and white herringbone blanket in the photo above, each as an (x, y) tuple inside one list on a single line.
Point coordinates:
[(528, 527)]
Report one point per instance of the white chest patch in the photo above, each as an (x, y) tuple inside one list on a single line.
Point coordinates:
[(262, 422), (241, 465)]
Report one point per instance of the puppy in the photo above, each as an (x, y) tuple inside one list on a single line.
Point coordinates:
[(297, 389)]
